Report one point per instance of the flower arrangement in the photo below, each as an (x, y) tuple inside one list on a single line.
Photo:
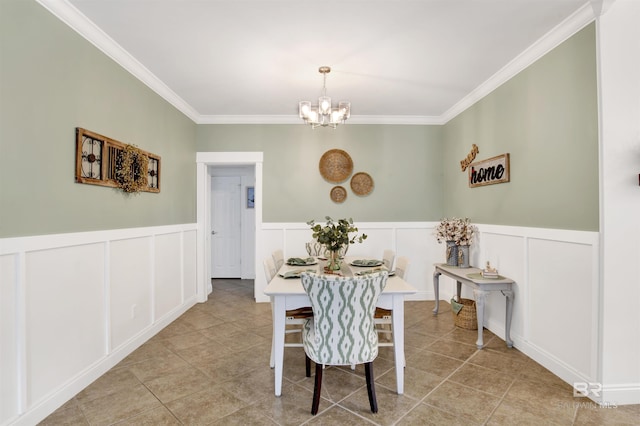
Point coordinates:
[(335, 234), (455, 229)]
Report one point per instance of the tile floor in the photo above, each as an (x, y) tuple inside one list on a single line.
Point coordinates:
[(211, 367)]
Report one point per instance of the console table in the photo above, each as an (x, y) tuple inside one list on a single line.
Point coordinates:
[(481, 286)]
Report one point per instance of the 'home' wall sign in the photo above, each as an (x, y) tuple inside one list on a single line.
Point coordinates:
[(489, 171)]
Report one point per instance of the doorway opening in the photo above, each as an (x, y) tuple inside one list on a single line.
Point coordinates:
[(206, 163), (232, 221)]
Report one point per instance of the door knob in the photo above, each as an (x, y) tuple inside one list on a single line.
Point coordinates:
[(213, 232)]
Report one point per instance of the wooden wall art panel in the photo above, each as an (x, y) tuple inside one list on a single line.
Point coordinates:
[(107, 162)]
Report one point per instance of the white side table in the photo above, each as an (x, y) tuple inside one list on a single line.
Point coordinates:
[(481, 286)]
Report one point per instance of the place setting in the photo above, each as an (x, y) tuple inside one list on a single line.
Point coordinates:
[(373, 266)]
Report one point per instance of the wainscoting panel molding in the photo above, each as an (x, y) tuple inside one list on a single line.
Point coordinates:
[(74, 305)]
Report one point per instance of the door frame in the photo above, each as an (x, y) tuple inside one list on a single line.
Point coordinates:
[(203, 211)]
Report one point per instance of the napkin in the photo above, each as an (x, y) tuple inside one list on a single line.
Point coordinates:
[(295, 273), (300, 261), (371, 271), (366, 262)]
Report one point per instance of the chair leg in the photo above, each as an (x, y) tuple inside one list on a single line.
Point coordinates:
[(307, 364), (316, 389), (371, 387)]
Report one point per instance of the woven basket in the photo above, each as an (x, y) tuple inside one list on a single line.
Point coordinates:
[(466, 316)]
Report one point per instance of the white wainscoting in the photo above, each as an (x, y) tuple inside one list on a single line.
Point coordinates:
[(73, 305), (556, 314)]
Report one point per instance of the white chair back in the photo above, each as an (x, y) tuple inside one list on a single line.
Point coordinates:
[(278, 259), (402, 266), (387, 258), (269, 269)]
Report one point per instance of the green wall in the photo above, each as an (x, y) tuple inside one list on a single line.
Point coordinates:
[(404, 162), (546, 119), (52, 81)]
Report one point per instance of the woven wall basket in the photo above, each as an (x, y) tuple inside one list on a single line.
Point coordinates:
[(336, 165), (466, 316)]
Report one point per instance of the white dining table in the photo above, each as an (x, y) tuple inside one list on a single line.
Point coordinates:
[(287, 294)]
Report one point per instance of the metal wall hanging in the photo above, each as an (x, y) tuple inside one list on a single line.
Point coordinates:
[(106, 162)]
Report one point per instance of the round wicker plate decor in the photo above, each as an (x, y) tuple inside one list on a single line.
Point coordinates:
[(361, 183), (338, 194), (336, 165)]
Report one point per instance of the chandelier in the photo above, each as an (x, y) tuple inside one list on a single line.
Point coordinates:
[(323, 114)]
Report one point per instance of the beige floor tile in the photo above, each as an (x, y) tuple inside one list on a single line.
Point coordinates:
[(250, 415), (506, 363), (391, 406), (211, 366), (204, 351), (157, 366), (454, 398), (591, 414), (293, 407), (69, 416), (452, 349), (150, 349), (120, 405), (160, 416), (251, 386), (417, 383), (337, 383), (542, 400), (426, 415), (205, 407), (434, 363), (337, 415), (184, 341), (482, 379), (469, 336), (178, 383), (111, 382)]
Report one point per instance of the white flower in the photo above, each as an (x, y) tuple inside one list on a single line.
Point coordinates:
[(455, 229)]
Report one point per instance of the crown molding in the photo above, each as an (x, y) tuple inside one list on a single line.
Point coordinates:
[(72, 17), (561, 32), (294, 119)]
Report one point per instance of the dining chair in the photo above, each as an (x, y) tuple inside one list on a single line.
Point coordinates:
[(294, 317), (383, 317), (342, 330), (269, 269), (388, 256), (278, 258)]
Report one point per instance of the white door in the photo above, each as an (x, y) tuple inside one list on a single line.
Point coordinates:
[(225, 227)]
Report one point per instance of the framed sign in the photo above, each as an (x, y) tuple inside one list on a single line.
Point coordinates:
[(251, 198), (489, 171)]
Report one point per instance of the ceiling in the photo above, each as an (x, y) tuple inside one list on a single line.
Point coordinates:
[(413, 61)]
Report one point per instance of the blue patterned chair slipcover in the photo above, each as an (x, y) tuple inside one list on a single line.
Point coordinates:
[(342, 330)]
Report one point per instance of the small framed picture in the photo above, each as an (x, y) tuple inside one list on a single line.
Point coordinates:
[(250, 197)]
